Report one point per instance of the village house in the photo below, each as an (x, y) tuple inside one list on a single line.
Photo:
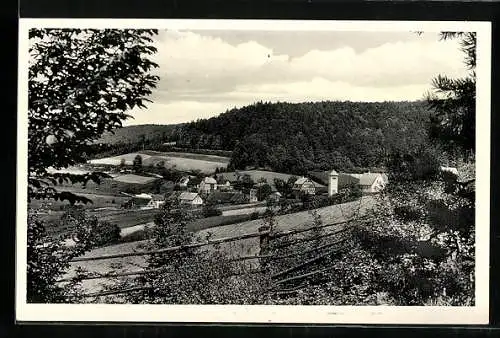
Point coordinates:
[(190, 198), (207, 185), (145, 201), (303, 185), (368, 182), (224, 185), (372, 182), (156, 202)]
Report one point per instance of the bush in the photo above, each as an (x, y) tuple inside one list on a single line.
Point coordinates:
[(211, 211), (254, 215), (105, 234)]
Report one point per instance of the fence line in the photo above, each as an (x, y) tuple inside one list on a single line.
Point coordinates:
[(235, 259), (301, 265), (201, 244), (169, 249), (298, 231), (308, 239)]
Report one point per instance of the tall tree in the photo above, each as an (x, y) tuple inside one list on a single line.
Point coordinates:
[(137, 164), (81, 83), (454, 100)]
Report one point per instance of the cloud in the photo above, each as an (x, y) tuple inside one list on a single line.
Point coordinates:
[(203, 75)]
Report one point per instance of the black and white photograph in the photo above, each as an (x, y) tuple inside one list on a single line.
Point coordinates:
[(253, 171)]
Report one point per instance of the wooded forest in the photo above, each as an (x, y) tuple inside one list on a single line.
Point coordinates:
[(299, 137)]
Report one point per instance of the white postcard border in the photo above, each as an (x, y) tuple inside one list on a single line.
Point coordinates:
[(478, 314)]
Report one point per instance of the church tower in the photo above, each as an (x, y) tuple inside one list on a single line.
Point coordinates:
[(333, 183)]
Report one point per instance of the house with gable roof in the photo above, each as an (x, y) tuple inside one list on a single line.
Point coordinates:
[(207, 185), (191, 198), (303, 185)]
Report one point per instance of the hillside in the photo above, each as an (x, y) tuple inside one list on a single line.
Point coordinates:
[(132, 134), (294, 138)]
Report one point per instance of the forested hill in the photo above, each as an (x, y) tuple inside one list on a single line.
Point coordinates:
[(133, 134), (307, 136)]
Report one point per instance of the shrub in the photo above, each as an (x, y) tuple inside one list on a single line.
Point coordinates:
[(105, 234), (211, 211)]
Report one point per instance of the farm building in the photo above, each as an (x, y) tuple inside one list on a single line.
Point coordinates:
[(207, 185), (191, 198), (304, 185)]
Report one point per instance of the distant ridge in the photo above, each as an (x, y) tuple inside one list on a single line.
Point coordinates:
[(132, 134)]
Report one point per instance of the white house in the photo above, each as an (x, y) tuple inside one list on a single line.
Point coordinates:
[(191, 198), (208, 185), (224, 186), (156, 202), (372, 182)]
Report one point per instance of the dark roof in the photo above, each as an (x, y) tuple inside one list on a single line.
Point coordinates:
[(347, 180), (233, 197), (188, 196)]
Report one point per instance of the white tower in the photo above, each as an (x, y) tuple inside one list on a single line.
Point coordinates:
[(333, 183)]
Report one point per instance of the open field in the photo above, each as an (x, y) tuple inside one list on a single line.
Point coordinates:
[(203, 157), (135, 179), (179, 161)]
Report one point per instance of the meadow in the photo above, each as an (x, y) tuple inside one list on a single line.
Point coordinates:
[(187, 162)]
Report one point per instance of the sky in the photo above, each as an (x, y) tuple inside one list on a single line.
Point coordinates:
[(204, 73)]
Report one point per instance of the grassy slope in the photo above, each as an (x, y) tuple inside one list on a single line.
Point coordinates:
[(180, 161), (298, 220)]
